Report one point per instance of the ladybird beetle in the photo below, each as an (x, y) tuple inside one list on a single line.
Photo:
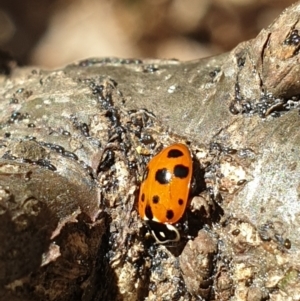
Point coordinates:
[(164, 191)]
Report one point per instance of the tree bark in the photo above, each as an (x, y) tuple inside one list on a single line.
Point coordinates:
[(75, 142)]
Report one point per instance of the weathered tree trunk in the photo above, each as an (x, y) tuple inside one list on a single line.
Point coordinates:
[(74, 145)]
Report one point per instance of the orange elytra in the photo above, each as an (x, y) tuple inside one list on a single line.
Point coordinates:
[(164, 191)]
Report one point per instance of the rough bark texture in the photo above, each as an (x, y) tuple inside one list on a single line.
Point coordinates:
[(74, 145)]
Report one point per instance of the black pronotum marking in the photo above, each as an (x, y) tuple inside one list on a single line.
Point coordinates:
[(143, 197), (175, 153), (148, 212), (155, 199), (180, 202), (170, 214), (163, 233), (181, 171), (163, 176)]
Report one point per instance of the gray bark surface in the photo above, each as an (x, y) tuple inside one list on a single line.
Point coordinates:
[(74, 144)]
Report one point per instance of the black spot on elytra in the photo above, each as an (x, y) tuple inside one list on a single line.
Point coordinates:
[(143, 197), (180, 202), (181, 171), (148, 212), (175, 153), (170, 214), (155, 199), (163, 176)]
